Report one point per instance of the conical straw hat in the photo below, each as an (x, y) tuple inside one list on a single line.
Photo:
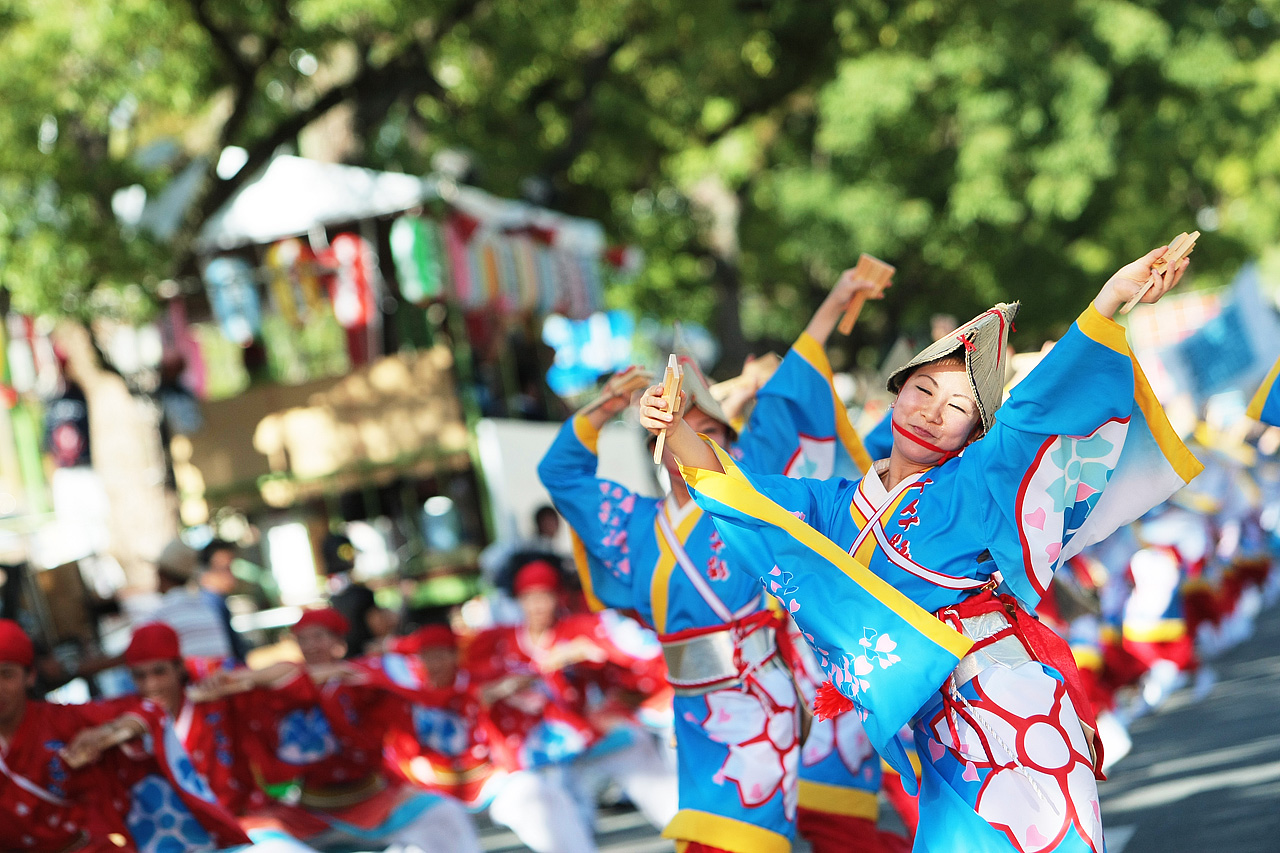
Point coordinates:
[(695, 385), (983, 341)]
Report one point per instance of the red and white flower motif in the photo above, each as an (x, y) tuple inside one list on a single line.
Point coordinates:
[(1022, 738), (758, 725)]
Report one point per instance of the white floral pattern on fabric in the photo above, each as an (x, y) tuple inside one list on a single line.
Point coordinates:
[(1023, 735), (758, 725)]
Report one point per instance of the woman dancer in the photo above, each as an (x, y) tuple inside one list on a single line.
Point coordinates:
[(972, 531)]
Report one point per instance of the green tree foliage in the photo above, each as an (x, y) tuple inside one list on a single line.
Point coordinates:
[(991, 150)]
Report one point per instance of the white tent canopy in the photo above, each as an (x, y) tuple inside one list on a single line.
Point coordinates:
[(293, 196)]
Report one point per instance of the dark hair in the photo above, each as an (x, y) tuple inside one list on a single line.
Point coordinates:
[(215, 545), (543, 511)]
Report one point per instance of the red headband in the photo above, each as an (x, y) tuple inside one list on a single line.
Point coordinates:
[(427, 637), (537, 576), (327, 618), (15, 645), (156, 641)]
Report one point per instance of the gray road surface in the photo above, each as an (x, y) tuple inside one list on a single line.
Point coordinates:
[(1205, 777)]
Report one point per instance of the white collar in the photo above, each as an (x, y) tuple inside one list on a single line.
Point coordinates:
[(676, 513), (872, 485)]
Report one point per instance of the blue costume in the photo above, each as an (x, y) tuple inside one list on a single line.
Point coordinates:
[(735, 705), (1080, 448)]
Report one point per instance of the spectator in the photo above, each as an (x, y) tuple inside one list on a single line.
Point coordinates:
[(355, 601), (198, 625), (216, 583)]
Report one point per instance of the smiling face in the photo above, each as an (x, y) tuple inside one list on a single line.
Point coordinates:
[(935, 405), (161, 681)]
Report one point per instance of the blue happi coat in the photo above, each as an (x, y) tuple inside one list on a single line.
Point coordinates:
[(1080, 448), (737, 747)]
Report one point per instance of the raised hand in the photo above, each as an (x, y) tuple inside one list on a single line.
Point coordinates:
[(616, 394), (1129, 280), (653, 410), (851, 285)]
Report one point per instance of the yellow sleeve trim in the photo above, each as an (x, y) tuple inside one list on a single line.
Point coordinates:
[(1163, 631), (586, 433), (1182, 460), (912, 756), (808, 348), (735, 836), (1255, 405), (583, 567), (834, 799), (732, 489), (1087, 658), (1110, 334), (1104, 330)]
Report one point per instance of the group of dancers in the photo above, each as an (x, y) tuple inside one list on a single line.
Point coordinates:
[(960, 612)]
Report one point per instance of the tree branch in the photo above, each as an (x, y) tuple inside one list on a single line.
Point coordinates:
[(408, 72), (582, 112), (223, 43)]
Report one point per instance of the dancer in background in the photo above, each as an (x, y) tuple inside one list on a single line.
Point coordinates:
[(448, 751), (335, 749), (216, 732), (102, 776), (532, 680)]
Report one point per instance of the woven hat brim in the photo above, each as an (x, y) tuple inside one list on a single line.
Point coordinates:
[(982, 341)]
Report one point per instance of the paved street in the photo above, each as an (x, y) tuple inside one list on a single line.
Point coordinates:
[(1206, 777)]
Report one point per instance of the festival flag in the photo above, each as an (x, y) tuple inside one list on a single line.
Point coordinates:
[(1265, 405)]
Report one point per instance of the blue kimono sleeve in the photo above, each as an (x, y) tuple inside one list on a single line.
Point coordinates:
[(598, 512), (1080, 449), (799, 426)]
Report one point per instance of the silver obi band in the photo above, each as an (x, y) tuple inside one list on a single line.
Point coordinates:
[(704, 663), (1007, 651)]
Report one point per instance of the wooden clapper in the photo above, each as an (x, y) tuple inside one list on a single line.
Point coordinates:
[(1178, 249), (869, 269), (671, 382)]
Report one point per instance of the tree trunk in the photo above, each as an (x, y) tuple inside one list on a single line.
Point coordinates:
[(718, 208), (124, 439)]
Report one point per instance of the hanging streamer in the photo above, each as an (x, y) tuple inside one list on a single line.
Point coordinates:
[(416, 248), (230, 286)]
